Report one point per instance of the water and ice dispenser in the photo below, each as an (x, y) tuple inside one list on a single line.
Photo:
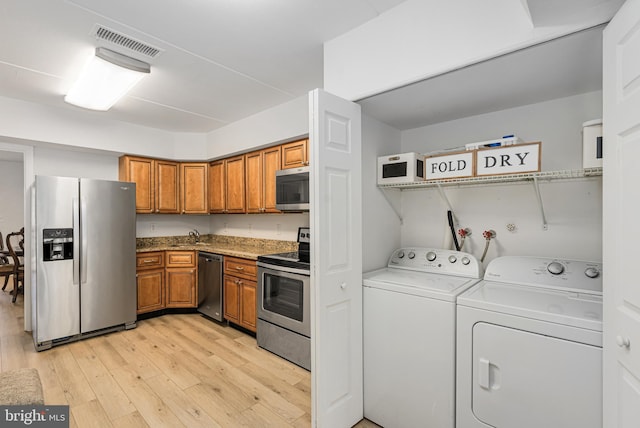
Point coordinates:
[(57, 244)]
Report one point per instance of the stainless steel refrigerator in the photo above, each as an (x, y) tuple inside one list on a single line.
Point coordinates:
[(85, 259)]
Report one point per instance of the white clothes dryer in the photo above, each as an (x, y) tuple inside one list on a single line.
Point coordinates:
[(529, 346), (409, 316)]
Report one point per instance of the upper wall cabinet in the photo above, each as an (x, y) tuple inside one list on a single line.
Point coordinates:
[(227, 185), (261, 167), (194, 190), (157, 183), (295, 154)]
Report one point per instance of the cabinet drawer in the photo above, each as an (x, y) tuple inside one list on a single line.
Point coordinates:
[(150, 260), (240, 267), (181, 259)]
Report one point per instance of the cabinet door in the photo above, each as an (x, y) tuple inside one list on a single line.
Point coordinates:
[(217, 191), (254, 182), (248, 312), (181, 288), (270, 164), (295, 154), (142, 172), (235, 184), (232, 299), (150, 290), (167, 187), (194, 184)]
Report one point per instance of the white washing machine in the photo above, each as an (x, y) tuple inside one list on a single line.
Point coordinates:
[(409, 315), (529, 346)]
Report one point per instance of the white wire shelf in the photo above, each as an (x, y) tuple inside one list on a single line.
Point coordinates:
[(544, 175)]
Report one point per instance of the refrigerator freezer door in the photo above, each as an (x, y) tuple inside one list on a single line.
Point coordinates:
[(108, 254), (57, 297)]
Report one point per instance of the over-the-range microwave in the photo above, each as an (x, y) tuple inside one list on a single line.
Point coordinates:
[(401, 168), (292, 189)]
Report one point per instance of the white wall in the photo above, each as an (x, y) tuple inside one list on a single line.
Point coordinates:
[(573, 207), (12, 197), (74, 163), (281, 123), (380, 224), (419, 39), (282, 227)]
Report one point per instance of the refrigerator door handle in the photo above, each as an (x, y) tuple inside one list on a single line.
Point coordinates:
[(76, 241), (83, 244)]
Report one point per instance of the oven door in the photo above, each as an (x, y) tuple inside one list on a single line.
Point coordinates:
[(283, 297)]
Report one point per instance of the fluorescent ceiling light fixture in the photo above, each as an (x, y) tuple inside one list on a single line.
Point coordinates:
[(106, 78)]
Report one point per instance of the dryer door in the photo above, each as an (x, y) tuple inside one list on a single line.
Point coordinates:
[(527, 380)]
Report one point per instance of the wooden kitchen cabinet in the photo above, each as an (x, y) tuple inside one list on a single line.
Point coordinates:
[(157, 183), (142, 172), (167, 187), (295, 154), (181, 287), (227, 185), (150, 274), (181, 279), (166, 280), (240, 288), (261, 167), (194, 189)]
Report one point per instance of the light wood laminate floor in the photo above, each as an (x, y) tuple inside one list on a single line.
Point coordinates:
[(171, 371)]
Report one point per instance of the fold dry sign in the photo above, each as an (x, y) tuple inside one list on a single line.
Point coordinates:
[(515, 159), (453, 165)]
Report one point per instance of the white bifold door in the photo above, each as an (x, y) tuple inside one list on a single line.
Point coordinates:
[(621, 200)]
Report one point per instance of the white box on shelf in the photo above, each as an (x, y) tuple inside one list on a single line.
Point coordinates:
[(592, 144), (507, 140), (512, 159)]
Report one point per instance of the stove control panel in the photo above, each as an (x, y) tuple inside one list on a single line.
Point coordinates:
[(575, 275), (435, 260)]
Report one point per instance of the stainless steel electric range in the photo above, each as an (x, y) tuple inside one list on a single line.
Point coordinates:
[(284, 325)]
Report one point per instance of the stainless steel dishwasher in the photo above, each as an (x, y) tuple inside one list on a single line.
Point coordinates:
[(210, 290)]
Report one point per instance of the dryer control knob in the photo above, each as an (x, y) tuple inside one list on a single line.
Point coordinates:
[(452, 259), (592, 272), (412, 255), (555, 268), (400, 254), (431, 256), (465, 260)]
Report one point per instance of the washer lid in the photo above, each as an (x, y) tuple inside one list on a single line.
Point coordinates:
[(435, 286), (582, 310)]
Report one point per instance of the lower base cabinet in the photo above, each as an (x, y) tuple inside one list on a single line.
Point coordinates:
[(150, 290), (166, 285), (240, 292)]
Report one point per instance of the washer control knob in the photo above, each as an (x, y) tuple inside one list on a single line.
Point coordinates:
[(400, 254), (465, 260), (592, 272), (412, 255), (431, 256), (555, 268), (452, 259)]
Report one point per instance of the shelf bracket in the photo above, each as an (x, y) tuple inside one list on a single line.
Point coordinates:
[(536, 186), (393, 207)]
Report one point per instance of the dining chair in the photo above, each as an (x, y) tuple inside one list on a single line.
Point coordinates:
[(6, 268), (15, 240)]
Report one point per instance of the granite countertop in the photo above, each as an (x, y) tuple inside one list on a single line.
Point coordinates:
[(248, 248)]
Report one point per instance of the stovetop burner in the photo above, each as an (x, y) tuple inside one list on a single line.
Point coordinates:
[(297, 259)]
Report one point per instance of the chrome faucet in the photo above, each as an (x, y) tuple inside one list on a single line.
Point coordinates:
[(195, 234)]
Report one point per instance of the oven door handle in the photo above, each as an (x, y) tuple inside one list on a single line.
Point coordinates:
[(284, 269)]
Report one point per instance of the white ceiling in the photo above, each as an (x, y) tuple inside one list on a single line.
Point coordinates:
[(560, 68), (220, 60)]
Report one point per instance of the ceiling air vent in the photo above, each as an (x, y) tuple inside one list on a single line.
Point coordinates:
[(115, 38)]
